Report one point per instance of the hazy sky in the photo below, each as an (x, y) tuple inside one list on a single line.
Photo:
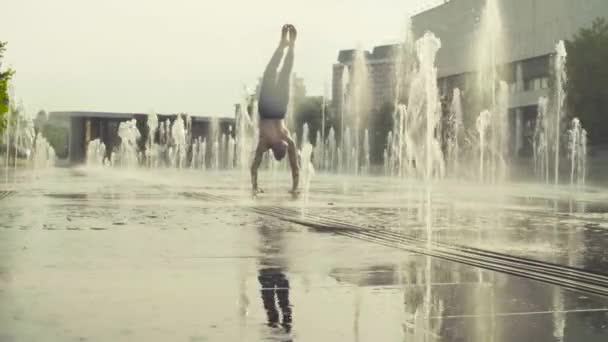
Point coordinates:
[(190, 56)]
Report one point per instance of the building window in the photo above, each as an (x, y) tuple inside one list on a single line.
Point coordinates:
[(544, 82), (536, 83)]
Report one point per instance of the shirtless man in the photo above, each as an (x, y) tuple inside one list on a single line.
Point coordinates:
[(272, 106)]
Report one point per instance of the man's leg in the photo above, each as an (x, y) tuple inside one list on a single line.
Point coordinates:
[(266, 279), (283, 297), (270, 73), (284, 78)]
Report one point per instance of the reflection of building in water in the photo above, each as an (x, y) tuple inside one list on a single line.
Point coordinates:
[(421, 305), (274, 284), (449, 301)]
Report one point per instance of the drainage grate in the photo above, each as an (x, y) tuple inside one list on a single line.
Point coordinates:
[(573, 278), (5, 193)]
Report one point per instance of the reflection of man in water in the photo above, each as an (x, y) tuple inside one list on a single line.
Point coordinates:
[(274, 284)]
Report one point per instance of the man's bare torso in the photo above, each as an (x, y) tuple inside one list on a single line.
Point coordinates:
[(272, 131)]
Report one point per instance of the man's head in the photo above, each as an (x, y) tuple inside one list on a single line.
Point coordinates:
[(279, 150)]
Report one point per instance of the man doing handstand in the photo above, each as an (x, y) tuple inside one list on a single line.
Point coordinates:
[(272, 106)]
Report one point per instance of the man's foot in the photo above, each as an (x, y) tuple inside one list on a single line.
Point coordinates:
[(293, 34), (284, 32)]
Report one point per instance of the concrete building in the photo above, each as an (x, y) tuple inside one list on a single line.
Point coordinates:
[(381, 67), (531, 29), (87, 126)]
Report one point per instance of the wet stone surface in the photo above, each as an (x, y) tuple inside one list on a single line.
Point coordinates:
[(113, 255)]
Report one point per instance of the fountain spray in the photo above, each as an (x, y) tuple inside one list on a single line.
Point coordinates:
[(560, 95)]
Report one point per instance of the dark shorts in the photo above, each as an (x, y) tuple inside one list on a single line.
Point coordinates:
[(272, 110)]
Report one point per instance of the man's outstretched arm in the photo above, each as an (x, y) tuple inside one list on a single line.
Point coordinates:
[(293, 162), (259, 152)]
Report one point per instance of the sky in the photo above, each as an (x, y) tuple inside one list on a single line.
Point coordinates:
[(193, 56)]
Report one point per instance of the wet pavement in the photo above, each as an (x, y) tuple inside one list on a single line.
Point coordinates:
[(116, 255)]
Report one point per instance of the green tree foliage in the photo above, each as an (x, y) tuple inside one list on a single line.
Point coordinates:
[(58, 138), (381, 123), (309, 110), (587, 66), (5, 77), (40, 121)]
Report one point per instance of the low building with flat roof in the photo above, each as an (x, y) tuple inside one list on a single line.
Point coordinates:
[(87, 126)]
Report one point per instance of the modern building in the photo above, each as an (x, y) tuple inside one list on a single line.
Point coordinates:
[(380, 64), (87, 126), (530, 32)]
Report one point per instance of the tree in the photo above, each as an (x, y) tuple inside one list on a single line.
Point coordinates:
[(309, 110), (587, 66), (40, 121), (5, 77), (58, 138), (381, 124)]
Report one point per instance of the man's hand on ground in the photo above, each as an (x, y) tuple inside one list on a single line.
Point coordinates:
[(255, 192), (294, 193)]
